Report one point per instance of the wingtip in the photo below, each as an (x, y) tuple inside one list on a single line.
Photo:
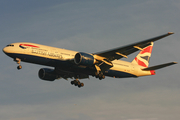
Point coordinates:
[(175, 62), (170, 33)]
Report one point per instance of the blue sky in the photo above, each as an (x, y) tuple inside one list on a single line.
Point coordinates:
[(90, 26)]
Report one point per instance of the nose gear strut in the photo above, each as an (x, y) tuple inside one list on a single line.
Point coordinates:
[(18, 62)]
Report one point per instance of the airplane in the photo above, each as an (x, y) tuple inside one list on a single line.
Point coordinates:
[(81, 65)]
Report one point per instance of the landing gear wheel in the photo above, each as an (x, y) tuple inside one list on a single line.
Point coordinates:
[(72, 82), (100, 75), (82, 84), (19, 67), (77, 83)]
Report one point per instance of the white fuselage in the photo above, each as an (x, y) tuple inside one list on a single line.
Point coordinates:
[(57, 57)]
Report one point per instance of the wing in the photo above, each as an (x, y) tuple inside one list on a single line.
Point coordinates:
[(120, 52)]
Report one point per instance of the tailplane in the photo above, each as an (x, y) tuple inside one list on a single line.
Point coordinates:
[(159, 66), (142, 59)]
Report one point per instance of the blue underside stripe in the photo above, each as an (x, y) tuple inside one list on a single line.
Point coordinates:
[(119, 74), (65, 65)]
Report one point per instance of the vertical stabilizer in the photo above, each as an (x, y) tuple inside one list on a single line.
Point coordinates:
[(142, 59)]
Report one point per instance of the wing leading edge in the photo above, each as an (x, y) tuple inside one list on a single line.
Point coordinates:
[(121, 52)]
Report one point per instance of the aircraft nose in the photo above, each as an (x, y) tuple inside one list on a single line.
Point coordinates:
[(5, 50)]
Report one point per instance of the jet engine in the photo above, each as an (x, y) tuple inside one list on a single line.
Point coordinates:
[(47, 74), (84, 59)]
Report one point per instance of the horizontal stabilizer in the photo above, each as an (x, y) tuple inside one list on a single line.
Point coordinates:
[(159, 66)]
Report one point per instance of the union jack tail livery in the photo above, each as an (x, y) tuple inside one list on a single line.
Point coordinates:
[(142, 59)]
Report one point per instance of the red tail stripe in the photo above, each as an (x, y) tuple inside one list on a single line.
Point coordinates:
[(148, 50), (140, 62)]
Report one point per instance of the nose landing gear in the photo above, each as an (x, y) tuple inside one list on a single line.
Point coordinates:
[(18, 62)]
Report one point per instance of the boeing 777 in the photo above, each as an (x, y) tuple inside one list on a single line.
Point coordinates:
[(80, 65)]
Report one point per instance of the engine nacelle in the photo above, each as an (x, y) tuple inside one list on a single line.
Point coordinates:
[(47, 74), (84, 59)]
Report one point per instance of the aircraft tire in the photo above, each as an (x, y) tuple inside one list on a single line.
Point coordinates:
[(72, 82), (19, 67), (82, 84)]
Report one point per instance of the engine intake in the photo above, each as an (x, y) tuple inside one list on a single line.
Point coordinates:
[(84, 59), (47, 74)]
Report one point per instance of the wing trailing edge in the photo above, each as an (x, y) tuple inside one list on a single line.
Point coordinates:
[(124, 51), (159, 66)]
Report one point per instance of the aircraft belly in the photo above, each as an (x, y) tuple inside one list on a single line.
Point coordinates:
[(34, 59), (63, 65), (77, 69), (121, 69), (118, 74)]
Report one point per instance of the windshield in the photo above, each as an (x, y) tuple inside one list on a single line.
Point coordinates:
[(10, 45)]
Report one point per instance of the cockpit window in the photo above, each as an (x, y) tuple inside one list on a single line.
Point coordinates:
[(10, 45)]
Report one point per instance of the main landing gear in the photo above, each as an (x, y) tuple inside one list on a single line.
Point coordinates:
[(100, 75), (77, 83), (18, 62)]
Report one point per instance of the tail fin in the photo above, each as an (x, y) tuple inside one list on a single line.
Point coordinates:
[(142, 59)]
